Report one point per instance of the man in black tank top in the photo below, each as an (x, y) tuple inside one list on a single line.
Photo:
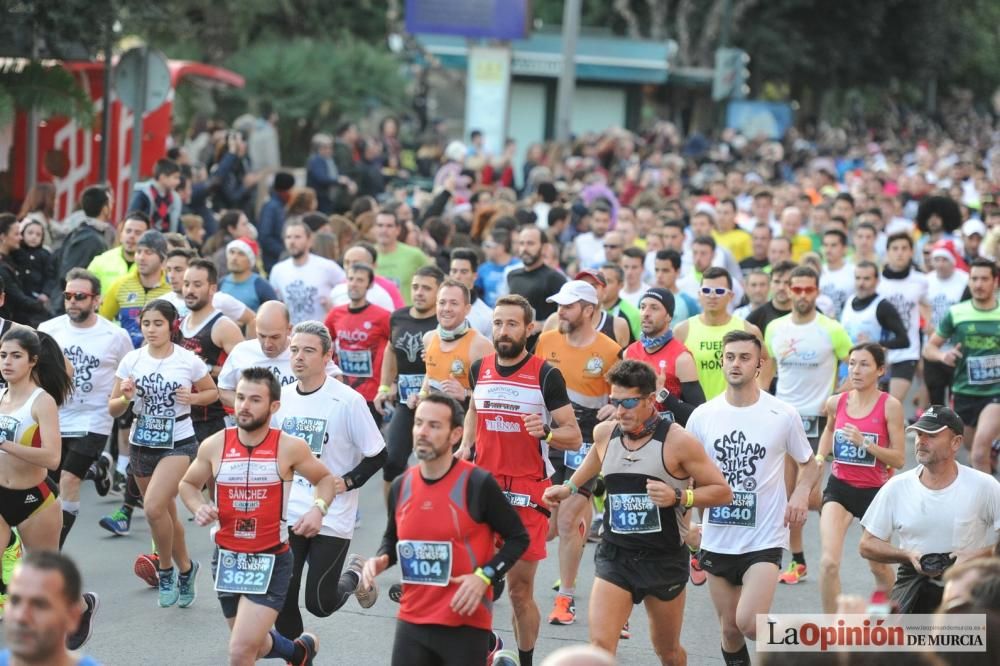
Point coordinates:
[(655, 472), (209, 335)]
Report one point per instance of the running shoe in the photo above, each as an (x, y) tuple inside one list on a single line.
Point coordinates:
[(596, 530), (85, 629), (169, 591), (147, 568), (186, 584), (102, 474), (497, 647), (310, 645), (698, 576), (506, 658), (556, 585), (625, 633), (795, 573), (563, 610), (11, 555), (118, 523), (117, 483), (366, 596)]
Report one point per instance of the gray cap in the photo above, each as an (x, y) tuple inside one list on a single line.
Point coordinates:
[(155, 241)]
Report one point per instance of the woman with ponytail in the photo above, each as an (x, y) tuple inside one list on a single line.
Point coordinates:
[(162, 380)]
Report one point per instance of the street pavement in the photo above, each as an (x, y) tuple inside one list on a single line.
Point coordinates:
[(132, 631)]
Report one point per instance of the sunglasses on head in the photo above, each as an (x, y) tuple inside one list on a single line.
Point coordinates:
[(76, 295), (802, 290), (627, 403), (716, 291)]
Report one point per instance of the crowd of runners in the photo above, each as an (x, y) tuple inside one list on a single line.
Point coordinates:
[(681, 359)]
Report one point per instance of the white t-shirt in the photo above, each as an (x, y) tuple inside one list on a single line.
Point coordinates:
[(633, 296), (838, 285), (965, 515), (304, 288), (749, 445), (349, 434), (481, 318), (95, 352), (157, 381), (225, 303), (906, 295), (248, 354), (943, 294), (377, 295), (806, 356), (589, 250)]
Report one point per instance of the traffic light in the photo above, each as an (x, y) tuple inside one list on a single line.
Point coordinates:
[(731, 74)]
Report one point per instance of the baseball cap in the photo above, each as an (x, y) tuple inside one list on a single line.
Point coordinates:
[(591, 273), (936, 418), (155, 241), (663, 296), (573, 292), (973, 226)]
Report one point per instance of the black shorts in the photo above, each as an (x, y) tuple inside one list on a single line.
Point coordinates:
[(439, 645), (642, 573), (968, 406), (855, 500), (145, 459), (16, 506), (277, 589), (903, 370), (732, 568), (79, 453), (398, 442), (563, 473)]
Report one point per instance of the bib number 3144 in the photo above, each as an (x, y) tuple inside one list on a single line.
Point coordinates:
[(425, 562)]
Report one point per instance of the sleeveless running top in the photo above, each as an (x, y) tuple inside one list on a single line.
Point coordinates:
[(199, 342), (705, 344), (663, 359), (454, 364), (631, 520), (862, 325), (852, 465), (607, 325), (20, 426), (251, 496), (434, 515), (406, 335)]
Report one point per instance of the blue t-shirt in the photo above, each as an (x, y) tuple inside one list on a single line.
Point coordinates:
[(84, 661), (491, 279), (252, 292)]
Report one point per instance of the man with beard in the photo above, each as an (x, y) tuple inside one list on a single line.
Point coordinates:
[(535, 280), (506, 433), (403, 368), (906, 289), (304, 280), (615, 326), (251, 610), (445, 615), (360, 330)]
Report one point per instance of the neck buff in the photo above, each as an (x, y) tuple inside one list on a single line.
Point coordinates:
[(652, 344), (455, 333), (647, 427), (896, 275)]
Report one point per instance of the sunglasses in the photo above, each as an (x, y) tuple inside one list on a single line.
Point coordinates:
[(716, 291), (627, 403), (798, 291), (611, 247), (76, 295)]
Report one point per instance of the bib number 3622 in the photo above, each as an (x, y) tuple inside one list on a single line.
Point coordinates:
[(425, 562), (633, 513), (244, 573)]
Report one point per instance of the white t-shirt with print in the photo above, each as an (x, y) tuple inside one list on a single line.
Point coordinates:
[(943, 294), (157, 381), (248, 354), (749, 445), (349, 435), (906, 296), (305, 289), (806, 356), (95, 353), (963, 516), (838, 286)]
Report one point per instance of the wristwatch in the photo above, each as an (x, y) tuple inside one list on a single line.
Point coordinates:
[(678, 496), (547, 432), (662, 395), (489, 571)]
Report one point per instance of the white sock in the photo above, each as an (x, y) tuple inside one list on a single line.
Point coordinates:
[(122, 464)]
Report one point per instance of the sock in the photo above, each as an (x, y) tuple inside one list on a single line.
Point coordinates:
[(283, 648), (70, 511), (799, 558), (127, 510), (567, 591), (739, 658), (525, 656), (122, 464), (187, 573), (169, 573)]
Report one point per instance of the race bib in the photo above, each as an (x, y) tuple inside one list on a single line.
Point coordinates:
[(741, 513), (425, 562), (573, 459), (518, 499), (355, 362), (310, 429), (845, 452), (8, 428), (153, 432), (409, 385), (244, 573), (983, 369), (633, 513), (74, 434), (811, 425)]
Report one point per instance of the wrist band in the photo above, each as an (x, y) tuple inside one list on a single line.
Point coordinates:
[(124, 399), (573, 489), (384, 388), (548, 437), (820, 459), (422, 394), (688, 498), (482, 576), (320, 504)]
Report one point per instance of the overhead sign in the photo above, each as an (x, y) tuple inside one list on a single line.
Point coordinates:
[(142, 79), (487, 95), (486, 19)]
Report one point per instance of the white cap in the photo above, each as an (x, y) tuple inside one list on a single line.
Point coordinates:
[(573, 292), (974, 226)]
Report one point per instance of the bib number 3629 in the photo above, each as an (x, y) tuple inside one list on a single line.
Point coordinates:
[(425, 562), (244, 573), (633, 513), (153, 432)]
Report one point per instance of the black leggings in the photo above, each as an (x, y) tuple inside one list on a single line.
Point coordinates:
[(326, 590), (438, 645), (399, 442), (938, 377)]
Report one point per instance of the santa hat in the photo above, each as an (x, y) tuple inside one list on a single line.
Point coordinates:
[(946, 249)]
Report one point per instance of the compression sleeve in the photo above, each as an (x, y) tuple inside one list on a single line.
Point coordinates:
[(894, 330), (365, 469), (692, 395), (389, 537)]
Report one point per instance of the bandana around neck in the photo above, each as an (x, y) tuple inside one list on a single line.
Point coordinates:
[(455, 333), (657, 342)]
